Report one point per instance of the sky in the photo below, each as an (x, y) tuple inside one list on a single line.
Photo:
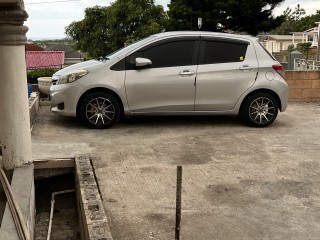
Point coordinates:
[(48, 18)]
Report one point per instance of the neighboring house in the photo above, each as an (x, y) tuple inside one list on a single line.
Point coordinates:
[(72, 56), (311, 35), (278, 43), (44, 59), (37, 58), (33, 47)]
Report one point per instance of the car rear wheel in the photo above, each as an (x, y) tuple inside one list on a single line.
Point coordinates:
[(259, 110), (99, 110)]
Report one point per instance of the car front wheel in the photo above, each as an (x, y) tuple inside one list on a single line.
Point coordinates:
[(259, 110), (99, 110)]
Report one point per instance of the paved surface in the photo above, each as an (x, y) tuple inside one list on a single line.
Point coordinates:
[(238, 182)]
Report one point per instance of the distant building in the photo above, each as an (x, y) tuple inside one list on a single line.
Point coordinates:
[(33, 47), (310, 35), (37, 58), (71, 55), (44, 59), (278, 43)]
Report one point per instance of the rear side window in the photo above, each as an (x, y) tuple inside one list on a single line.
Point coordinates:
[(222, 51), (270, 55), (167, 54)]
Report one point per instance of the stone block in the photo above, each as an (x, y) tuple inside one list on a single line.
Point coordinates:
[(302, 75), (304, 84), (94, 210), (291, 83), (91, 193), (288, 75), (316, 84), (311, 93), (313, 75), (295, 93), (93, 219), (99, 231), (86, 178)]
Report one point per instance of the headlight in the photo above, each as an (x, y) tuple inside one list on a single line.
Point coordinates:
[(71, 77)]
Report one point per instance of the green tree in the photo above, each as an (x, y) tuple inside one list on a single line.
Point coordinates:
[(308, 22), (133, 19), (91, 34), (106, 29), (304, 48), (296, 21), (247, 16), (291, 48)]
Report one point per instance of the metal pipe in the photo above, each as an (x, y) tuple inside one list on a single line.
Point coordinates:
[(52, 208), (178, 202), (318, 47)]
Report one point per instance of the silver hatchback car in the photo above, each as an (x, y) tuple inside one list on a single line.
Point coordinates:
[(175, 73)]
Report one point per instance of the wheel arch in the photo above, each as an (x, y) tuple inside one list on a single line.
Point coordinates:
[(262, 90), (101, 89)]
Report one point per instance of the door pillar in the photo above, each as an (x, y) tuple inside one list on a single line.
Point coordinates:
[(15, 134)]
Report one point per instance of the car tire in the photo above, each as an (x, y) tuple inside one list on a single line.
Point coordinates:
[(259, 109), (99, 110)]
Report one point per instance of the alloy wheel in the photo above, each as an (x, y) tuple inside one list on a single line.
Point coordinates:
[(262, 110), (100, 111)]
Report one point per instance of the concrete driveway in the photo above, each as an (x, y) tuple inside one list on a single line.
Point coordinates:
[(238, 182)]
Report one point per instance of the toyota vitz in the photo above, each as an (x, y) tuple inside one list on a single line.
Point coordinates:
[(175, 73)]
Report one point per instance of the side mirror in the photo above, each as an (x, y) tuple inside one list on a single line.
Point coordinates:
[(142, 62)]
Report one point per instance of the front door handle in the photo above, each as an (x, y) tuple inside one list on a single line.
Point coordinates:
[(246, 68), (186, 73)]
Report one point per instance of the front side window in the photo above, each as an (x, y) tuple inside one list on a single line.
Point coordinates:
[(166, 54), (220, 51)]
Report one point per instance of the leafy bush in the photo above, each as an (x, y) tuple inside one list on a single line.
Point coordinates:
[(33, 75)]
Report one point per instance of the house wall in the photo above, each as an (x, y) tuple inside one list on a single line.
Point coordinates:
[(303, 85), (272, 46)]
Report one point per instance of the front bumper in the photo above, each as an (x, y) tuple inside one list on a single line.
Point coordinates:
[(64, 98)]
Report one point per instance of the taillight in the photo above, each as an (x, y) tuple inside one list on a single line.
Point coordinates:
[(279, 69)]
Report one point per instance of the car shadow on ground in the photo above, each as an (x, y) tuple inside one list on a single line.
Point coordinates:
[(148, 121), (181, 121), (45, 117)]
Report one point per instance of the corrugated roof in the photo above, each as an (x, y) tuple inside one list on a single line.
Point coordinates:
[(70, 52), (44, 59), (284, 37), (33, 47)]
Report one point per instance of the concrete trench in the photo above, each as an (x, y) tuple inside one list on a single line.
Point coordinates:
[(91, 215)]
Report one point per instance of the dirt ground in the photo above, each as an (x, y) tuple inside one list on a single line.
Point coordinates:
[(65, 225), (238, 182)]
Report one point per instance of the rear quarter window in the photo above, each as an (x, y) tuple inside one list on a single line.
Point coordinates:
[(270, 55), (222, 51)]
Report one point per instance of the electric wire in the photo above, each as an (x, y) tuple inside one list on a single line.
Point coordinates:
[(59, 1)]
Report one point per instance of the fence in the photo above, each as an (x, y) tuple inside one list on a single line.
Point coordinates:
[(306, 65)]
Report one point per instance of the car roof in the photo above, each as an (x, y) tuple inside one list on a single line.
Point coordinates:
[(165, 35), (203, 33)]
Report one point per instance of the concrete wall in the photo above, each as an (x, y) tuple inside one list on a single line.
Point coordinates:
[(303, 85)]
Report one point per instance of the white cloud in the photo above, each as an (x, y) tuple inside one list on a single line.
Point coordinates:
[(311, 6), (48, 20)]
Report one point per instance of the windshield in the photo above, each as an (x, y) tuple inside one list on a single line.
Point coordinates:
[(128, 48)]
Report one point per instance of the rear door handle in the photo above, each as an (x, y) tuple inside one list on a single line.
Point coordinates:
[(246, 68), (186, 73)]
